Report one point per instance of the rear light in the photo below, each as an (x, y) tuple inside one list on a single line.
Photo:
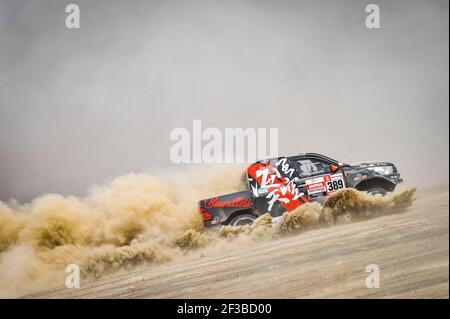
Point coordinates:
[(205, 214)]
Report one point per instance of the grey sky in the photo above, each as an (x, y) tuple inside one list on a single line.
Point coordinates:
[(80, 106)]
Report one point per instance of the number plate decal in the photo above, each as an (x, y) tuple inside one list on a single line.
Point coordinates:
[(334, 183)]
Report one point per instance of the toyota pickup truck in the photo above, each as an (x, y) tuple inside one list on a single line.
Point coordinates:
[(282, 184)]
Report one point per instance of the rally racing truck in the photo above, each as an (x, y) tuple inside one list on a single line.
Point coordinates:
[(282, 184)]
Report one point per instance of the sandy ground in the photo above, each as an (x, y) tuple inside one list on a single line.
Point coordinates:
[(411, 250)]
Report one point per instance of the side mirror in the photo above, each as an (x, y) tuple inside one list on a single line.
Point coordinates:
[(333, 168)]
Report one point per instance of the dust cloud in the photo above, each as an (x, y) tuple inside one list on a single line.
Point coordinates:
[(141, 218)]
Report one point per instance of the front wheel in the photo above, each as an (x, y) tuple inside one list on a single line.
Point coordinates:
[(242, 219), (377, 190)]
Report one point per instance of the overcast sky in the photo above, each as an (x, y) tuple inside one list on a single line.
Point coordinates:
[(78, 107)]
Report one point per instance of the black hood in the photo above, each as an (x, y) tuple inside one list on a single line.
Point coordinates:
[(369, 164)]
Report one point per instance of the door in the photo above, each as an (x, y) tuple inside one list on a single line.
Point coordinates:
[(318, 179), (275, 186)]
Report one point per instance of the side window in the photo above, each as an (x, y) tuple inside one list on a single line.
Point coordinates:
[(311, 167)]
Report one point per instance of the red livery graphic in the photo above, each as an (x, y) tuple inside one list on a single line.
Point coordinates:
[(280, 188)]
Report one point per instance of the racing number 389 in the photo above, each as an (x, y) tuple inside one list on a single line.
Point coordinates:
[(335, 185), (282, 184)]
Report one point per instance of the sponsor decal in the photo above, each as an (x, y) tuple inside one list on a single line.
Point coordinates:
[(263, 191), (324, 185), (217, 220), (316, 188), (314, 180), (236, 202), (359, 177)]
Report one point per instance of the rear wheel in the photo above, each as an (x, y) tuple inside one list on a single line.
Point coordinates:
[(377, 190), (242, 219)]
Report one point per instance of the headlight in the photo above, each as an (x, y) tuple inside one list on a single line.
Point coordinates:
[(383, 170)]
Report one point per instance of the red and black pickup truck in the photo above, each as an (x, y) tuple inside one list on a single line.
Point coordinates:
[(282, 184)]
